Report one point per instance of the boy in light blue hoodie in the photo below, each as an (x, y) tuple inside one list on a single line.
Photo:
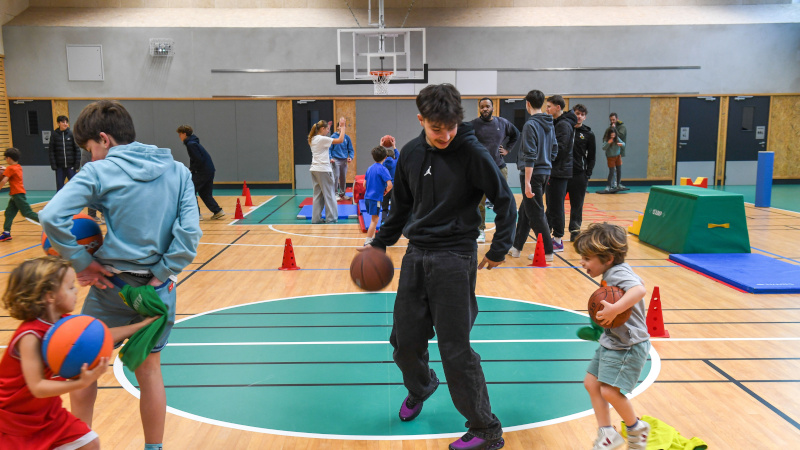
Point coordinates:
[(148, 201)]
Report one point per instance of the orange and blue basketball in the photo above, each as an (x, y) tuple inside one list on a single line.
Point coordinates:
[(85, 230), (74, 341)]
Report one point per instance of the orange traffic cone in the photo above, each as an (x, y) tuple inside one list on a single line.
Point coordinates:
[(567, 196), (288, 257), (247, 200), (538, 256), (244, 188), (238, 214), (655, 318)]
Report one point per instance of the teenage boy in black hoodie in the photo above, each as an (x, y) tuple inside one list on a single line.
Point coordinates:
[(440, 178), (564, 123), (584, 150)]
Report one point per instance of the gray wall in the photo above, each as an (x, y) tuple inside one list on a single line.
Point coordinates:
[(732, 60), (240, 136)]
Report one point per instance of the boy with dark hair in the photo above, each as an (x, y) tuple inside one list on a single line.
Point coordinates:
[(378, 183), (392, 155), (149, 204), (535, 152), (623, 350), (564, 123), (12, 174), (441, 176), (202, 168), (584, 150), (64, 154)]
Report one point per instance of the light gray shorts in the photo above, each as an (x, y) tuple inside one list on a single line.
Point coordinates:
[(620, 368)]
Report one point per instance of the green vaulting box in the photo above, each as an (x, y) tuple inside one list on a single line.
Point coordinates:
[(687, 219)]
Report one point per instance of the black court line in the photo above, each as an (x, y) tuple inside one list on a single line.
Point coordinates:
[(279, 207), (212, 258), (739, 384), (579, 269)]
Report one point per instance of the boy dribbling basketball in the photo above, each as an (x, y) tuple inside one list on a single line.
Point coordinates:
[(623, 350), (151, 213)]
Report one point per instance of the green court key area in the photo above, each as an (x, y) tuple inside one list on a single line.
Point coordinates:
[(322, 366)]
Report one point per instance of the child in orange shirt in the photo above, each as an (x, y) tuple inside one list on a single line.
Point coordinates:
[(12, 174)]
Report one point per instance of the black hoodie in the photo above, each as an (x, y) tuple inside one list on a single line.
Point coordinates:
[(583, 151), (565, 136), (436, 194)]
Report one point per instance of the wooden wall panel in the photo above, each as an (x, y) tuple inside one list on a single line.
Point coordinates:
[(722, 138), (347, 109), (61, 108), (784, 135), (663, 137), (5, 119), (285, 142)]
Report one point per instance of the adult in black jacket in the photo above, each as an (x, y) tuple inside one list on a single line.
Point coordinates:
[(64, 154), (584, 151), (440, 178), (564, 122), (202, 168)]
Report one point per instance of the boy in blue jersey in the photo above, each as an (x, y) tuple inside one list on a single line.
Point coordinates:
[(378, 183), (392, 155), (149, 203)]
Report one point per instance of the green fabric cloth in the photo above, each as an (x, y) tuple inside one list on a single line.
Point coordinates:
[(145, 301), (591, 333), (665, 437)]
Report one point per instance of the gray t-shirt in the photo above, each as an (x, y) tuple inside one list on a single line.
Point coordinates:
[(634, 330)]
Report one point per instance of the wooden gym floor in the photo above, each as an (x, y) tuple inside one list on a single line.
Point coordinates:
[(727, 374)]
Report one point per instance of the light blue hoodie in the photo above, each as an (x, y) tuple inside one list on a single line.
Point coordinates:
[(150, 208)]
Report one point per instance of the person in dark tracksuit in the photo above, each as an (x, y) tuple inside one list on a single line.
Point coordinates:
[(202, 168), (584, 151), (564, 123), (441, 176), (64, 154)]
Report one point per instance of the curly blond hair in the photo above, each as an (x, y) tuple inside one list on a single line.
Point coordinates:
[(606, 241), (28, 284)]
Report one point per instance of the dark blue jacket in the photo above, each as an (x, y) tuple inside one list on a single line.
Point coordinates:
[(63, 150), (199, 159)]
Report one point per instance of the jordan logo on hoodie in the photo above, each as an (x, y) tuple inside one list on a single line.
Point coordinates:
[(428, 172)]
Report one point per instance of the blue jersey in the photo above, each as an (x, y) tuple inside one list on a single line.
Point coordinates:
[(376, 179), (391, 163)]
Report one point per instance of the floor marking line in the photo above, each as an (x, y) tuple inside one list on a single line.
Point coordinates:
[(18, 251), (192, 272), (479, 341)]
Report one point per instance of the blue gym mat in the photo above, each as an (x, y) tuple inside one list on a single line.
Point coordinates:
[(750, 272), (345, 212)]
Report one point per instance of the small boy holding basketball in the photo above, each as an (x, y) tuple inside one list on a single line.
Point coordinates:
[(378, 183), (12, 174), (148, 201), (623, 350)]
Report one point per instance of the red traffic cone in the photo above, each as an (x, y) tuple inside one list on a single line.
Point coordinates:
[(244, 188), (247, 200), (538, 256), (567, 196), (288, 257), (655, 318), (238, 214)]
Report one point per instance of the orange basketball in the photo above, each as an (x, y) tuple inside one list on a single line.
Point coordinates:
[(611, 294), (86, 231), (371, 269)]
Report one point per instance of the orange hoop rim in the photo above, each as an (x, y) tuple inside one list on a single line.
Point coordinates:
[(381, 73)]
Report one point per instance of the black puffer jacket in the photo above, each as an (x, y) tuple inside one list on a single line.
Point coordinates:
[(584, 151), (63, 150), (565, 136)]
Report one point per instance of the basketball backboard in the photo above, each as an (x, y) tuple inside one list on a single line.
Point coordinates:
[(364, 51)]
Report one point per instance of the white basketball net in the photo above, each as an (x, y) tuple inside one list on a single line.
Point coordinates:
[(381, 82)]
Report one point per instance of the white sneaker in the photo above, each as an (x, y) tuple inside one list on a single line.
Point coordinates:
[(637, 436), (201, 218), (482, 236), (547, 258), (514, 252), (218, 215), (607, 439)]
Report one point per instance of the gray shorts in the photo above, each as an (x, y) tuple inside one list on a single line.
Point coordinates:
[(620, 368), (108, 306)]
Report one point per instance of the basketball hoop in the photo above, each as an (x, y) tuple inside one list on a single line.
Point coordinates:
[(381, 79)]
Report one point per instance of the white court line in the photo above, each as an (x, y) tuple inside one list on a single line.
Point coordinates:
[(252, 208), (271, 227)]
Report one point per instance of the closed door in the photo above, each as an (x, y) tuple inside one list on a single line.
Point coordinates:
[(748, 119), (306, 113), (31, 129), (698, 125)]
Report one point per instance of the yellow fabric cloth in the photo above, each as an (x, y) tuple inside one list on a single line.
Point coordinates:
[(665, 437)]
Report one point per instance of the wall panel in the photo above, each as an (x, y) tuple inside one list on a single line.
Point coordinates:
[(285, 141), (257, 140), (784, 135), (663, 137)]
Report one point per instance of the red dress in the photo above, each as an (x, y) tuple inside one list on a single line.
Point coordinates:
[(29, 422)]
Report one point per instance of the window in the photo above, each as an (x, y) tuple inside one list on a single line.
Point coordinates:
[(747, 118), (33, 123)]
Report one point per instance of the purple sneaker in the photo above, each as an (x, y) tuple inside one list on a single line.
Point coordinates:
[(410, 411), (471, 442)]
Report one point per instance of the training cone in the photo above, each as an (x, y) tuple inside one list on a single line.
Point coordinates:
[(247, 200), (238, 214), (566, 197), (655, 318), (538, 255), (244, 188), (288, 257)]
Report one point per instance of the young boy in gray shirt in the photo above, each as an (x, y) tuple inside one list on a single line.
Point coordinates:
[(623, 350)]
